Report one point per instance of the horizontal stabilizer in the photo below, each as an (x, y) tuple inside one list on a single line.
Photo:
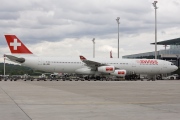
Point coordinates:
[(15, 59)]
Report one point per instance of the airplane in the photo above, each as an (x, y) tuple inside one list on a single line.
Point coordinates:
[(80, 65)]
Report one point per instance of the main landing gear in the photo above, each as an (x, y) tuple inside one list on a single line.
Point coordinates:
[(132, 77), (92, 77)]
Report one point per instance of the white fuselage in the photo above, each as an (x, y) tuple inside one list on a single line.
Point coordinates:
[(75, 65)]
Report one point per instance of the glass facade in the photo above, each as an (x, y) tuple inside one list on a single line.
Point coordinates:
[(173, 50)]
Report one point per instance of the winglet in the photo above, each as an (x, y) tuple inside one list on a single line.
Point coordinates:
[(82, 58), (16, 46), (111, 54)]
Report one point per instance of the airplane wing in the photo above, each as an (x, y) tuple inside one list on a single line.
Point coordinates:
[(93, 64)]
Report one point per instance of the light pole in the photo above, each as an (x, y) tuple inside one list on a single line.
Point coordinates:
[(118, 18), (93, 40), (155, 7), (4, 66), (177, 60)]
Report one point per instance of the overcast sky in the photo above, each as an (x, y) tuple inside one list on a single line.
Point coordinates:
[(66, 27)]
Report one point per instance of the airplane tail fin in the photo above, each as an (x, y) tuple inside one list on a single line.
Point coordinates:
[(82, 58), (16, 46)]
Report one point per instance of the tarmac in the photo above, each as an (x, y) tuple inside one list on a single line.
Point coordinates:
[(90, 100)]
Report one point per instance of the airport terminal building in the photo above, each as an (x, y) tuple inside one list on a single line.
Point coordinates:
[(171, 54)]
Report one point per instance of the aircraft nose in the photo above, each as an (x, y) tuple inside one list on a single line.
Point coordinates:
[(175, 68)]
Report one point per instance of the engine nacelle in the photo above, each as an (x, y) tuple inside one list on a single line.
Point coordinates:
[(119, 73), (106, 69)]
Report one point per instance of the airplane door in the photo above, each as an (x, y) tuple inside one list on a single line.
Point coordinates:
[(134, 67), (39, 61), (45, 65), (40, 64), (164, 68)]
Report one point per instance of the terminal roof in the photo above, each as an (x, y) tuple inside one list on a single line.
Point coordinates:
[(175, 41)]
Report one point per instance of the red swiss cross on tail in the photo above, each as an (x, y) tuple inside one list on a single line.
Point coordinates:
[(16, 46)]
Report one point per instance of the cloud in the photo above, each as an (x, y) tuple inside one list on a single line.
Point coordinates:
[(9, 16)]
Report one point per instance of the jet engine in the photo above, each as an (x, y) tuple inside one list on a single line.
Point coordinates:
[(106, 69), (119, 73)]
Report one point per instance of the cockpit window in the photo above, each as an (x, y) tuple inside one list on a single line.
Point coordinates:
[(172, 63)]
